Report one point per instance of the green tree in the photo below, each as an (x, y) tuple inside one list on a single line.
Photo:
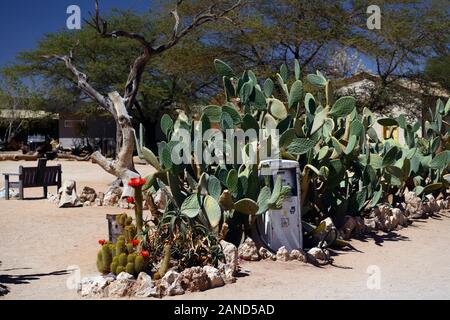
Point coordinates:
[(436, 69)]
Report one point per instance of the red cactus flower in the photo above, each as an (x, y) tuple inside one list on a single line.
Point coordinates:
[(137, 182), (135, 243), (102, 242), (145, 254), (130, 200)]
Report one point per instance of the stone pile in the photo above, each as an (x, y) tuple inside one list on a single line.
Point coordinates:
[(173, 283)]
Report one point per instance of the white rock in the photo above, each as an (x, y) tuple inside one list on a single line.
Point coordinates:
[(370, 224), (87, 204), (434, 206), (68, 195), (171, 284), (329, 226), (227, 273), (215, 279), (231, 255), (123, 204), (125, 276), (94, 287), (122, 286), (112, 196), (248, 251), (400, 217), (318, 254), (119, 288), (88, 195), (298, 255), (144, 286), (265, 254), (382, 212), (283, 254), (195, 279), (98, 202)]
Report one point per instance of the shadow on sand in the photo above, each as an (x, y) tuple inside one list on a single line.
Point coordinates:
[(380, 238), (25, 279)]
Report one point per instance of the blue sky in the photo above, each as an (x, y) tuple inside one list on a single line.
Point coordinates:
[(24, 22)]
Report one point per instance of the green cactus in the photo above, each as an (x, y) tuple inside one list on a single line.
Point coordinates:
[(123, 260), (100, 262), (140, 264), (130, 248), (122, 219), (120, 269), (120, 248), (346, 167), (106, 258), (165, 264), (130, 232), (114, 266), (130, 268), (131, 258)]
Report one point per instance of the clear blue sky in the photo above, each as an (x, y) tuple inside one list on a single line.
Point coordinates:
[(24, 22)]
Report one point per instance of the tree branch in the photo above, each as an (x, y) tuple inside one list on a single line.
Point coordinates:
[(84, 85), (138, 67)]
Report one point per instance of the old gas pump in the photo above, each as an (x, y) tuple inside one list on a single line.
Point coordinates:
[(278, 228)]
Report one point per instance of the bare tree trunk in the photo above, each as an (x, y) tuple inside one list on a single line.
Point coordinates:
[(72, 157), (19, 157), (121, 166)]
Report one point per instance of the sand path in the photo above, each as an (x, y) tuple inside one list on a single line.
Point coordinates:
[(39, 243)]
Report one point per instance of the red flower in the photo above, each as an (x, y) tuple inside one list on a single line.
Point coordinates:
[(145, 254), (130, 200), (135, 243), (102, 242), (137, 182)]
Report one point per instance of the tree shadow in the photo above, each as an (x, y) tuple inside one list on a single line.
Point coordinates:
[(379, 239)]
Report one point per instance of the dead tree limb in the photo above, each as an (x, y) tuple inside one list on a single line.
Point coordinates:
[(149, 47), (119, 106), (19, 157)]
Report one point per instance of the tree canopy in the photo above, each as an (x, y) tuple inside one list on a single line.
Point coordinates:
[(327, 35)]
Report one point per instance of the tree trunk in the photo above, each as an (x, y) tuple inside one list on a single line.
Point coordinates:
[(19, 157), (122, 167), (66, 156)]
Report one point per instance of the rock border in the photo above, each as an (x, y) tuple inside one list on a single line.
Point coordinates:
[(381, 218)]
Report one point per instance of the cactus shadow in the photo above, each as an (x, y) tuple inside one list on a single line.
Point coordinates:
[(28, 278), (379, 239)]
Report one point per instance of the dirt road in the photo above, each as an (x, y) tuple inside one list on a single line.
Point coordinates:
[(39, 243)]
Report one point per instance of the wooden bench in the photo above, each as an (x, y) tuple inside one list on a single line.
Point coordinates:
[(36, 177)]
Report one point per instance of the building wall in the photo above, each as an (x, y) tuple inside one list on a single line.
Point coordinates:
[(75, 131)]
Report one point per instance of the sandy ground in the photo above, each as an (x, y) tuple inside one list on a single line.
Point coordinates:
[(41, 246)]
